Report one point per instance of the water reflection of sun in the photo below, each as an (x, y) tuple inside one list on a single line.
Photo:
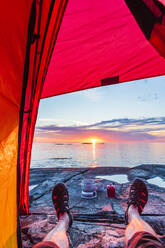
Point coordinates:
[(94, 141)]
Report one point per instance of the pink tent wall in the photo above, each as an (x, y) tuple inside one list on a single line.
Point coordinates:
[(99, 40)]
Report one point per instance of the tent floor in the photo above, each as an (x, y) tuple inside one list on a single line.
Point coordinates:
[(97, 222)]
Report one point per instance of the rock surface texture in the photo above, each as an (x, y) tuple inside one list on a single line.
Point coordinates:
[(97, 222)]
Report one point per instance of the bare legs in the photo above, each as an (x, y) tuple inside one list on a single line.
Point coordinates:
[(137, 200), (136, 224), (58, 234)]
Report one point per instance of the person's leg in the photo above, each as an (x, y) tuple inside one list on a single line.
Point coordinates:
[(136, 224), (58, 234), (137, 229), (57, 237)]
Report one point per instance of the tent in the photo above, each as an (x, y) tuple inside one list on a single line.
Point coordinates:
[(50, 47)]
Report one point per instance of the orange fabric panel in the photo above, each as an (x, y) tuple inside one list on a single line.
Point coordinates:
[(14, 18), (9, 118), (8, 190)]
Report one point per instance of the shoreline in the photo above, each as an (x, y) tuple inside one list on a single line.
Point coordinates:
[(144, 171)]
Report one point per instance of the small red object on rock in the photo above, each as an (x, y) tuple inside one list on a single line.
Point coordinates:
[(110, 191)]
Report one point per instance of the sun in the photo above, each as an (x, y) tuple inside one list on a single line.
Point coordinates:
[(93, 141)]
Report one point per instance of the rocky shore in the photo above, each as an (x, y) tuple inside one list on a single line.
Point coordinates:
[(97, 222)]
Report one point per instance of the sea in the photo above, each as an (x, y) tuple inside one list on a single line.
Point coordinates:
[(74, 155)]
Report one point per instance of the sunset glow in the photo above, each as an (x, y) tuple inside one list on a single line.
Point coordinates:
[(60, 120), (93, 141)]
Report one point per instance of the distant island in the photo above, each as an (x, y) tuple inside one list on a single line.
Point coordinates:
[(62, 144), (89, 143)]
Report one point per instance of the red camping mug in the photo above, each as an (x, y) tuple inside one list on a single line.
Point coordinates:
[(110, 191)]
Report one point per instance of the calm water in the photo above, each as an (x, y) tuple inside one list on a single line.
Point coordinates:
[(86, 155)]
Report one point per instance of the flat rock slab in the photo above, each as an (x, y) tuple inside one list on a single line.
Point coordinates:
[(97, 222)]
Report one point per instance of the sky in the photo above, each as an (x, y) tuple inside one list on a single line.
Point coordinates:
[(126, 112)]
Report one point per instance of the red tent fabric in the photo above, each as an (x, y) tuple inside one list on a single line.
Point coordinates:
[(96, 43), (101, 43)]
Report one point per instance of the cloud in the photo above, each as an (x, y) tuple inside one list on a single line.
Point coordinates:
[(127, 122), (124, 129)]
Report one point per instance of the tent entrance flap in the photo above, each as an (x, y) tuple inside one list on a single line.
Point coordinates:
[(48, 16)]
